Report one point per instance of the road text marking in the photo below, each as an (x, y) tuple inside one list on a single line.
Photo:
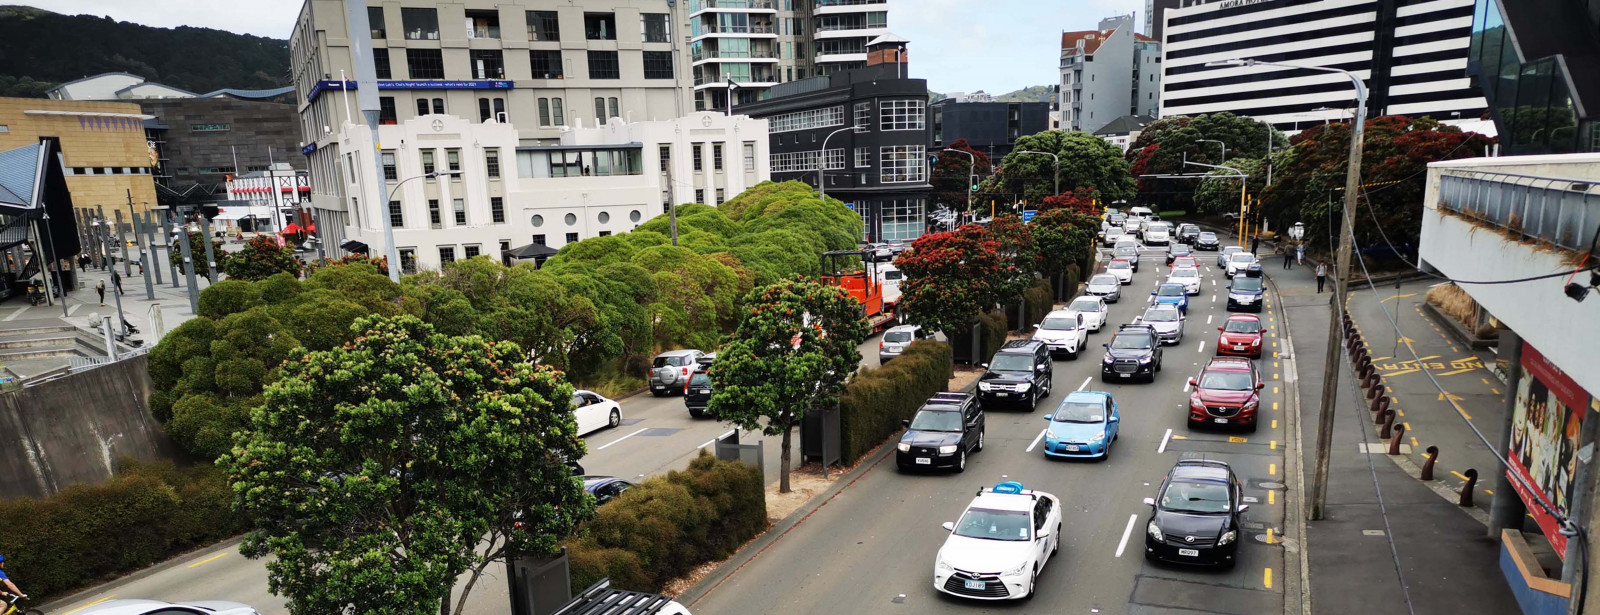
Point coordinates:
[(1266, 578)]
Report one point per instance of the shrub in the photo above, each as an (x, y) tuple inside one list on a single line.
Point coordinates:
[(1454, 302), (667, 525), (151, 511), (992, 334), (876, 400), (1038, 300), (260, 259)]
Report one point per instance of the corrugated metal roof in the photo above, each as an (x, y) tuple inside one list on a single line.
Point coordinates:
[(249, 94), (19, 169)]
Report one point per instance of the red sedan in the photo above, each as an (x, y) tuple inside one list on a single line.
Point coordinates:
[(1241, 336), (1227, 393)]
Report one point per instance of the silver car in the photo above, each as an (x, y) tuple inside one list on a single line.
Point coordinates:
[(897, 339), (1106, 286), (1166, 320), (670, 370), (1222, 257)]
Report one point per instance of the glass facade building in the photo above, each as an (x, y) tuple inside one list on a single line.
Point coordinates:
[(1535, 100)]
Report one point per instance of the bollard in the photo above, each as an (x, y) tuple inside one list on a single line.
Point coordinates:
[(1386, 419), (1373, 384), (1394, 443), (1466, 490), (1362, 356), (1364, 372), (1427, 466), (1379, 404)]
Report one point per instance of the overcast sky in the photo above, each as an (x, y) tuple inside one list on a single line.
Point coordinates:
[(957, 45)]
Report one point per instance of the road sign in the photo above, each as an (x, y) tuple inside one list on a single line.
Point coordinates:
[(1028, 214), (852, 206)]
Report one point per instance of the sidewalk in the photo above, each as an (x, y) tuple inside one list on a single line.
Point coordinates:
[(1389, 543), (83, 308)]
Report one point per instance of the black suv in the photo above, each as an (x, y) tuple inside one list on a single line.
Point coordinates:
[(1196, 516), (697, 395), (1186, 234), (1019, 372), (944, 430), (1176, 250), (1134, 351)]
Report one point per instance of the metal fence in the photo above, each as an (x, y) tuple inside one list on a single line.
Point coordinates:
[(1564, 212)]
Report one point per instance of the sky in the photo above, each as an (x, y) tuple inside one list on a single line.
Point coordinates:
[(957, 45)]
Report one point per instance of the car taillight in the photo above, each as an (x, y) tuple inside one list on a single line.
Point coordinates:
[(880, 345), (685, 371)]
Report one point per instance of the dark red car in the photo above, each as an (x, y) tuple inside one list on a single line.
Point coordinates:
[(1227, 393), (1241, 336)]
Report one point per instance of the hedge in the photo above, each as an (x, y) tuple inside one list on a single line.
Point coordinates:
[(666, 526), (1039, 302), (876, 400), (150, 512), (992, 334)]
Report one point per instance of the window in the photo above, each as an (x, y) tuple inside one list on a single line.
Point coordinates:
[(697, 151), (497, 209), (483, 24), (538, 239), (460, 211), (389, 171), (902, 163), (543, 26), (657, 65), (749, 156), (453, 157), (491, 163), (902, 220), (600, 26), (616, 107), (863, 115), (719, 196), (420, 24), (427, 162), (572, 238), (603, 65), (484, 111), (902, 114), (546, 63), (469, 251), (433, 213), (716, 156), (604, 217), (665, 154), (408, 260), (380, 61), (699, 195), (806, 120), (375, 23), (423, 106), (559, 111), (397, 215), (425, 63), (863, 157), (447, 255), (504, 245), (600, 108), (500, 111), (655, 27), (386, 112), (634, 216), (792, 162), (487, 63), (492, 109), (605, 233), (544, 112)]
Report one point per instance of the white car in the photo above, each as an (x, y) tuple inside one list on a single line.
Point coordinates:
[(1123, 269), (1222, 257), (1064, 332), (1238, 262), (1093, 309), (594, 412), (1112, 236), (997, 547), (1189, 277), (1157, 233), (135, 606)]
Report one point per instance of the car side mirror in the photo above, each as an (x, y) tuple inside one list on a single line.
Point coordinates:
[(1115, 418), (1244, 508), (983, 365), (1151, 502), (1106, 345), (949, 526), (1036, 326), (1260, 385), (1219, 328), (1193, 383), (1045, 531), (905, 422)]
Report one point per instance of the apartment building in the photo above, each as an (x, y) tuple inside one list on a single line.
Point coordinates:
[(744, 47), (1108, 73), (988, 126), (1411, 54)]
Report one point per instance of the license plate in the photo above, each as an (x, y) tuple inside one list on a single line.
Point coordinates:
[(1126, 375), (922, 461), (1189, 552), (975, 585), (1239, 347), (659, 387), (1072, 448), (1220, 420), (704, 391), (1002, 394)]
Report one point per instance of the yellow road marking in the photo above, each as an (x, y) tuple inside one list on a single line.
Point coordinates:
[(1494, 390), (1388, 389), (1274, 405), (1489, 491), (88, 605), (1272, 469), (1400, 373), (1274, 423), (1180, 437), (1274, 375), (1237, 440), (1269, 536), (1408, 426), (1485, 380), (1274, 354), (1272, 497), (1274, 365), (1426, 358), (1400, 413), (209, 559), (1266, 578), (1459, 475), (1414, 442), (1377, 359), (1398, 297), (1459, 371), (1274, 390), (1272, 445)]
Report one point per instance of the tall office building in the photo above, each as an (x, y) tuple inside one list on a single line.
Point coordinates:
[(1108, 73), (747, 46), (1538, 63), (1153, 11), (1411, 54)]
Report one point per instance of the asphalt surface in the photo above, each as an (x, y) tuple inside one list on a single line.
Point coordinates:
[(871, 549)]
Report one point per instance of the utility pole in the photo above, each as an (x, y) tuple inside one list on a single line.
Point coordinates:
[(146, 255), (355, 13)]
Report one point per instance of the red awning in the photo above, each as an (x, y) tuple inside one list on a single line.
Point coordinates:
[(293, 229)]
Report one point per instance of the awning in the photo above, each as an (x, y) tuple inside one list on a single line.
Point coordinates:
[(532, 250), (292, 229), (353, 246)]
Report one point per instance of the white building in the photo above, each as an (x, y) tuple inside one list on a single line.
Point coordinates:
[(1106, 74), (596, 182)]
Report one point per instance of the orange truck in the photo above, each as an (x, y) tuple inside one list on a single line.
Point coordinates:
[(852, 271)]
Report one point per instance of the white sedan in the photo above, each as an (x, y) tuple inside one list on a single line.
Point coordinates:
[(1122, 269), (1063, 332), (997, 547), (1238, 262), (132, 606), (1093, 309), (1189, 277), (594, 412)]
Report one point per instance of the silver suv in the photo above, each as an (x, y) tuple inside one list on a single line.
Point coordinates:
[(670, 371), (897, 339)]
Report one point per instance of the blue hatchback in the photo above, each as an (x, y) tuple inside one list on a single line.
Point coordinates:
[(1171, 293), (1083, 426)]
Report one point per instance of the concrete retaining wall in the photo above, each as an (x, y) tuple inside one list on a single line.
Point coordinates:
[(73, 429)]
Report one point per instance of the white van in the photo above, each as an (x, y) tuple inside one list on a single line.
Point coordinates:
[(889, 276)]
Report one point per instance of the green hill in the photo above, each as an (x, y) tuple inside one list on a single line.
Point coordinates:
[(40, 49), (1034, 93)]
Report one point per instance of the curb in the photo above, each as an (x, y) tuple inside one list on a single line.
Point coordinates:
[(61, 602), (1297, 591), (1456, 329)]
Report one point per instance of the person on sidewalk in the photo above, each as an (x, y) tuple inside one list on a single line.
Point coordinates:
[(116, 280), (1300, 254), (100, 288), (1322, 275), (1288, 259), (1255, 244)]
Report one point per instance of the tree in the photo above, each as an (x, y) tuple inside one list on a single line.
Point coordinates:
[(1086, 160), (951, 277), (1078, 199), (1169, 142), (955, 173), (260, 258), (379, 472), (1014, 240), (791, 354), (1218, 193), (1063, 237)]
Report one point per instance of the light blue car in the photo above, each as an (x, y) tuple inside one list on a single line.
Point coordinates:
[(1171, 293), (1082, 427)]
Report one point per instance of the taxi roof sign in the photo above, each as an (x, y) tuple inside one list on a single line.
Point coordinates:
[(1010, 487)]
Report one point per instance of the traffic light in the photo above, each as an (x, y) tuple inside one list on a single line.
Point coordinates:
[(974, 187)]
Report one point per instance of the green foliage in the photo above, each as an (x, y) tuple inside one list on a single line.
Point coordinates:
[(379, 472), (991, 334), (876, 400), (1218, 195), (1063, 237), (260, 259), (951, 277), (1086, 160), (667, 525), (954, 174), (228, 297), (149, 512), (1038, 300), (1179, 137)]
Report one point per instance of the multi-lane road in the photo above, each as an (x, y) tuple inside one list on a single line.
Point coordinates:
[(871, 549)]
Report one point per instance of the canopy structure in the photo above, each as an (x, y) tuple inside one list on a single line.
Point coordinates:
[(532, 250)]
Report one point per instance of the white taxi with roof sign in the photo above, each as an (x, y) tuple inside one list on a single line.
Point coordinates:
[(997, 548)]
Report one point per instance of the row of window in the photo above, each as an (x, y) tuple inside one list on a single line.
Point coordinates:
[(571, 219), (422, 24), (806, 120), (118, 170), (391, 170), (788, 162), (541, 164), (490, 64), (458, 210), (698, 157)]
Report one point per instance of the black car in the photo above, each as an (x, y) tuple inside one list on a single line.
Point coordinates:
[(1187, 233), (1196, 516), (605, 488), (1207, 241), (945, 429), (1246, 293), (1176, 250), (1019, 373), (1133, 352), (698, 395)]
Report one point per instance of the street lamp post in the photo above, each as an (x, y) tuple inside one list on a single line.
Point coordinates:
[(1224, 148), (1330, 374), (390, 251), (1057, 159), (972, 172), (822, 184)]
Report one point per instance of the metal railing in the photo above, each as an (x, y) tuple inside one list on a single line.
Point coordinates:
[(722, 29), (753, 54), (732, 4), (849, 2), (1564, 212)]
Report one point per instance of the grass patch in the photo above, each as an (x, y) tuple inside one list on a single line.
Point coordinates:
[(1168, 215), (1454, 302), (616, 385)]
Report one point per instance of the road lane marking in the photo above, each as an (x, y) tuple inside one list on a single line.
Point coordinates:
[(208, 560), (1272, 444), (1272, 469), (1274, 423), (1274, 390), (1164, 439), (1274, 405), (713, 440), (1208, 321), (1186, 386), (1085, 383), (1036, 439), (1213, 297), (1266, 578), (603, 446), (1202, 347), (20, 310), (1459, 371), (88, 605), (1414, 442), (1126, 533), (1495, 390), (1485, 380), (1400, 413), (1270, 539), (1272, 497)]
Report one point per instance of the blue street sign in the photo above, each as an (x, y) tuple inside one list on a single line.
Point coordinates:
[(1028, 214), (852, 206)]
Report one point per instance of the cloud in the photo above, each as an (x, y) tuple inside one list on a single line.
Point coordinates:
[(269, 18)]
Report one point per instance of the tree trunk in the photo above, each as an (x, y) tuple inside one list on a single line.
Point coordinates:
[(444, 604), (783, 461)]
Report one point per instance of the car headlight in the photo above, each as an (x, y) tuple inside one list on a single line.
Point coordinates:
[(1194, 400), (1023, 388), (1144, 360), (1255, 342), (1108, 358), (1154, 531), (1014, 571), (948, 450), (942, 566), (983, 386), (1097, 437), (1250, 404), (1227, 537), (904, 448)]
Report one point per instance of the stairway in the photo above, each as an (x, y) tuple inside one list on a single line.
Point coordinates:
[(34, 350)]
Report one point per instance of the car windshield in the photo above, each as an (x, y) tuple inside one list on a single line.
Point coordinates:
[(1084, 305), (1242, 326), (1080, 412), (1241, 282), (1011, 363), (1131, 341), (897, 336), (1185, 273), (1103, 280), (1242, 257), (1059, 323), (1161, 314), (700, 380), (1170, 290), (1114, 231), (1195, 497), (987, 524), (1208, 236), (1127, 251), (937, 420), (1231, 249), (1225, 381), (891, 275), (1119, 264)]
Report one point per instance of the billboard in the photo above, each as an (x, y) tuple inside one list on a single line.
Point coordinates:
[(1550, 409)]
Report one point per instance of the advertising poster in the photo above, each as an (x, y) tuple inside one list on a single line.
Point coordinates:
[(1550, 408)]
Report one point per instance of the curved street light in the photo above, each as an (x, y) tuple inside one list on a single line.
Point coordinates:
[(1057, 162), (822, 184)]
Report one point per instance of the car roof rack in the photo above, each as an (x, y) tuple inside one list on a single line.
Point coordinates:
[(948, 396), (600, 598), (1018, 344)]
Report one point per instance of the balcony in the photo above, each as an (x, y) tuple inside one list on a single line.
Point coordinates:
[(756, 79), (706, 29), (732, 5), (837, 7), (753, 55)]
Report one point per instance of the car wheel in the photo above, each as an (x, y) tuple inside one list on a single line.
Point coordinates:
[(1033, 400), (1193, 424), (980, 442), (1033, 585), (616, 418), (1253, 426), (961, 461), (1106, 454), (1072, 355), (696, 413)]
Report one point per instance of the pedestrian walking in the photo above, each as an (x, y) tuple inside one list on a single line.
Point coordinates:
[(1300, 254), (1255, 244), (100, 288), (116, 280), (1322, 276), (1288, 259)]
